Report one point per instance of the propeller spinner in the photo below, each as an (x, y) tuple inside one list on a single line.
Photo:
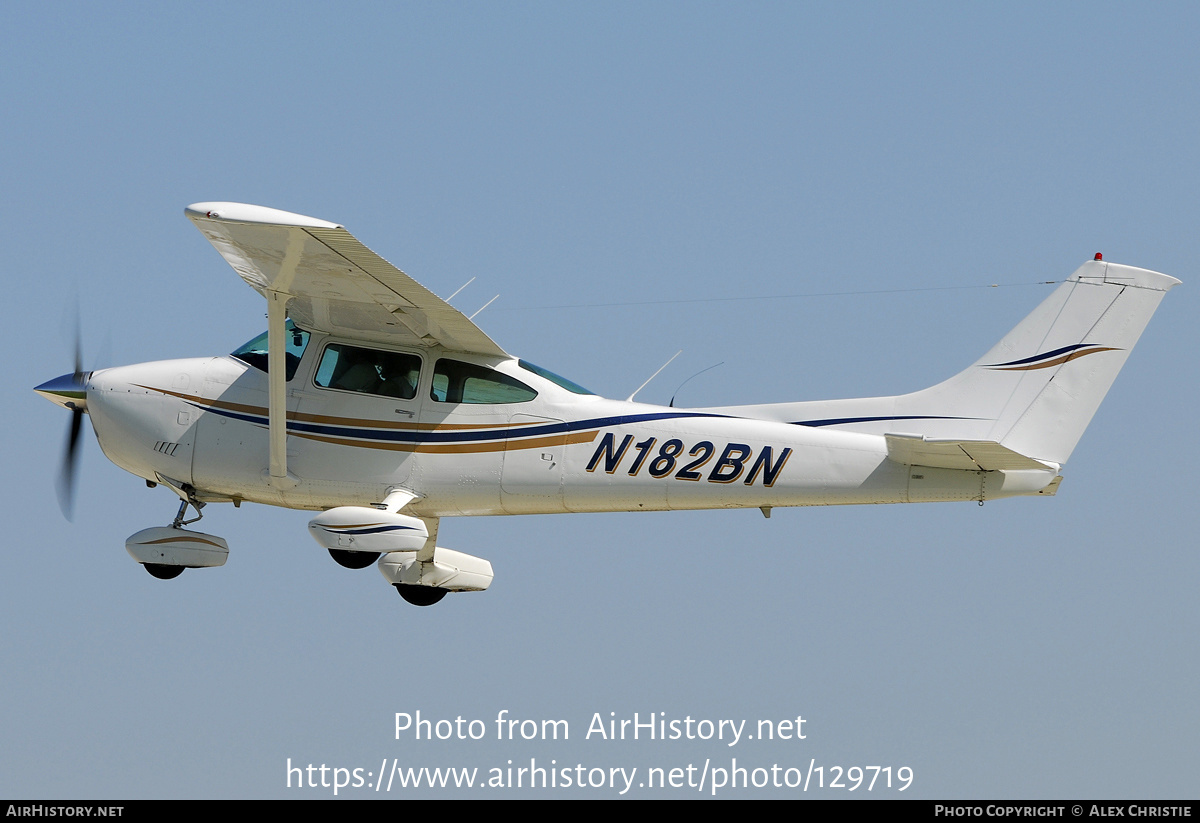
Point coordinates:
[(70, 392)]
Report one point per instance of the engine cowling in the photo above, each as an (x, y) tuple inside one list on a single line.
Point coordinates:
[(363, 529)]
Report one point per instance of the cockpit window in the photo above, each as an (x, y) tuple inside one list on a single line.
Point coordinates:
[(370, 371), (254, 353), (554, 378), (458, 382)]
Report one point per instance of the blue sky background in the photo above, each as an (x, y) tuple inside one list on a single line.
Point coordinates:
[(839, 184)]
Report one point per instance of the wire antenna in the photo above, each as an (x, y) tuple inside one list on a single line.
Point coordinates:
[(460, 288), (685, 382), (484, 306), (629, 399)]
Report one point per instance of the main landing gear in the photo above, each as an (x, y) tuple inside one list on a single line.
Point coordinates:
[(420, 595), (416, 595), (353, 560)]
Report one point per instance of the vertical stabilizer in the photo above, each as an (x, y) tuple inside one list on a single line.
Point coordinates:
[(1059, 363), (1035, 391)]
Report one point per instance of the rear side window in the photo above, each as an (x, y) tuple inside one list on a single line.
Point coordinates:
[(369, 371), (458, 382)]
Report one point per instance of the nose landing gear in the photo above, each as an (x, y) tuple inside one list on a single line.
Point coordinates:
[(165, 551), (163, 572), (189, 500)]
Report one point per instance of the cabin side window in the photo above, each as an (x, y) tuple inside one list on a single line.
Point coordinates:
[(458, 382), (369, 371), (254, 353)]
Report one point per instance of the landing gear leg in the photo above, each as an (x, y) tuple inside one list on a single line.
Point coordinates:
[(179, 522)]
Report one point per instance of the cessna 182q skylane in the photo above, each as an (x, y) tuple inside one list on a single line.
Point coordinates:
[(366, 387)]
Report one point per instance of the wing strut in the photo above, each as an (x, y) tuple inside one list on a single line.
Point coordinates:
[(277, 384), (277, 300)]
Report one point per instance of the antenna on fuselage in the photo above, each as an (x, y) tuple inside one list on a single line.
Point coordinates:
[(685, 382), (629, 399)]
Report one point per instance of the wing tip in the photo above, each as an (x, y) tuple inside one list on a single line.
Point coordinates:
[(246, 213)]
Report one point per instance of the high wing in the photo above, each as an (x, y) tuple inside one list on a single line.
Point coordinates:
[(317, 273), (332, 282)]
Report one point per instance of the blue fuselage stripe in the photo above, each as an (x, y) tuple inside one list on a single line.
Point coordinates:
[(841, 421), (499, 433), (375, 530), (522, 432)]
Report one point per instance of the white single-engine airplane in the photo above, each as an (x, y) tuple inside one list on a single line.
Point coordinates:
[(367, 387)]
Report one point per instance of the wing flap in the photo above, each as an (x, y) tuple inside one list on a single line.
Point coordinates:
[(424, 313), (967, 455)]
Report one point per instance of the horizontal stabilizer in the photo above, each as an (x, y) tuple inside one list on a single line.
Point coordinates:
[(968, 455)]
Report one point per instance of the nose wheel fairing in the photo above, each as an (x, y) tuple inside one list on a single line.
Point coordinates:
[(178, 548)]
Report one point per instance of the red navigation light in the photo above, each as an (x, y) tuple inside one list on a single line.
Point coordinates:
[(1098, 256)]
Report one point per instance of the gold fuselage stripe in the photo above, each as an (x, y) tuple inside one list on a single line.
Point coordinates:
[(458, 448), (304, 417)]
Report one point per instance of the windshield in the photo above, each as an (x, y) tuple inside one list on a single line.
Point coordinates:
[(562, 382), (254, 353)]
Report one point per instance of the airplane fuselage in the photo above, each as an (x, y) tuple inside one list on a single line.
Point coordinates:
[(203, 422)]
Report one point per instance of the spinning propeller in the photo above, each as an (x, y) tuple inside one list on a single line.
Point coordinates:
[(70, 392)]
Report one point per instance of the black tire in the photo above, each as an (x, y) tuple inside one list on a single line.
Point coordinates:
[(420, 595), (353, 560), (164, 572)]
